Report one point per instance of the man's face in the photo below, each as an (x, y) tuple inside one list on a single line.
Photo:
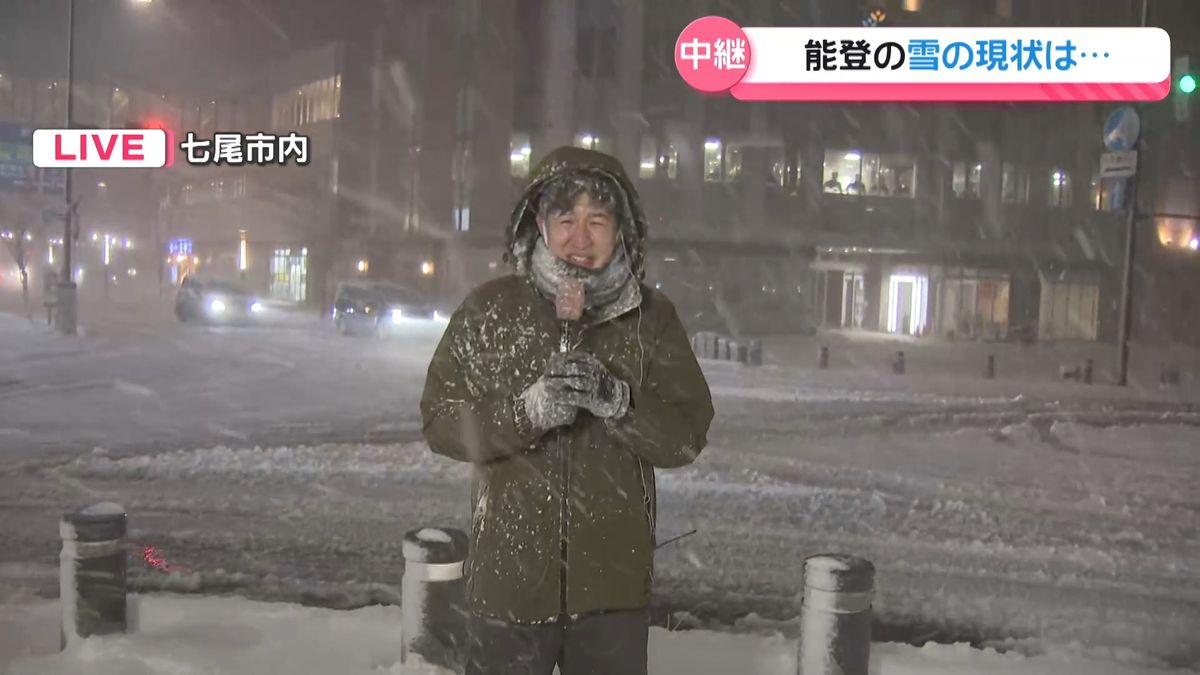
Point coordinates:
[(585, 236)]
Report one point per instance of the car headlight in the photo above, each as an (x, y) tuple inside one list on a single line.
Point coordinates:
[(397, 315), (217, 306), (256, 306)]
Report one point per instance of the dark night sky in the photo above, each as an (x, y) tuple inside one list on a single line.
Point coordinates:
[(167, 44), (177, 45)]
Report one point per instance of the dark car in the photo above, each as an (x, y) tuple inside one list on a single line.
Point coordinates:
[(382, 308), (215, 301)]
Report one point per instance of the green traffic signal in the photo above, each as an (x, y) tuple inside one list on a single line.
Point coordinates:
[(1187, 84)]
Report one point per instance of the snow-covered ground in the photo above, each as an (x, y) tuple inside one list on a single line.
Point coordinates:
[(231, 635), (1066, 534), (138, 379), (285, 463)]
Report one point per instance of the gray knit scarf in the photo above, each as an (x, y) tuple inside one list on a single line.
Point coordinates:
[(608, 293)]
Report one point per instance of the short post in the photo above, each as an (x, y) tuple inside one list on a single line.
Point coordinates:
[(898, 364), (92, 572), (1170, 376), (835, 615), (823, 359), (756, 353), (990, 371), (722, 348), (741, 352), (50, 294), (433, 596), (1087, 371)]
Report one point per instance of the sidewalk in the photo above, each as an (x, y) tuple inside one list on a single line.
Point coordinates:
[(864, 361)]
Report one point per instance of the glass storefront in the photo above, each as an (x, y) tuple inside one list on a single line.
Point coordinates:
[(974, 306), (1069, 310), (289, 274), (854, 303), (908, 299)]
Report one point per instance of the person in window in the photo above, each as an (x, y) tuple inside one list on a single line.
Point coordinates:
[(833, 184), (856, 186), (564, 423)]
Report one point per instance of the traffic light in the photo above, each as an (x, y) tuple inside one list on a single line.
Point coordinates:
[(1184, 87)]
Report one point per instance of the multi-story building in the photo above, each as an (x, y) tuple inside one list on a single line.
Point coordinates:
[(118, 209), (271, 225), (964, 221)]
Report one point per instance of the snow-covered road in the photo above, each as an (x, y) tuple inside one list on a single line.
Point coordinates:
[(139, 381), (992, 510)]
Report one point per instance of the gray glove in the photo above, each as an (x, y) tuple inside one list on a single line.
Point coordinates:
[(583, 380), (544, 407)]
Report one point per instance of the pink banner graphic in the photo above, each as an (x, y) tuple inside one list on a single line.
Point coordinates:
[(715, 55)]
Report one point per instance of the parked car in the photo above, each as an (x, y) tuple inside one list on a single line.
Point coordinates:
[(215, 301), (382, 308)]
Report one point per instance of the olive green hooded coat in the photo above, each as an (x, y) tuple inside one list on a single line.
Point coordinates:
[(563, 521)]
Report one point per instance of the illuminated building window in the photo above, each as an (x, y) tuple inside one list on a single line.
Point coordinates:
[(1014, 184), (1060, 188), (1069, 310), (713, 160), (853, 172), (519, 152), (965, 181)]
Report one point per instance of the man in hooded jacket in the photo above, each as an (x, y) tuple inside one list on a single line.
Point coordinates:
[(564, 423)]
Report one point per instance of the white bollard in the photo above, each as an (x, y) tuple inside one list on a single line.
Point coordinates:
[(433, 597), (92, 572), (835, 616)]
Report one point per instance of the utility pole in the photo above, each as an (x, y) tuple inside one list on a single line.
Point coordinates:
[(1125, 328), (66, 289)]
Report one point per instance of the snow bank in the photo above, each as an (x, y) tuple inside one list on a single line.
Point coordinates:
[(104, 509), (1044, 527), (374, 462), (233, 635)]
